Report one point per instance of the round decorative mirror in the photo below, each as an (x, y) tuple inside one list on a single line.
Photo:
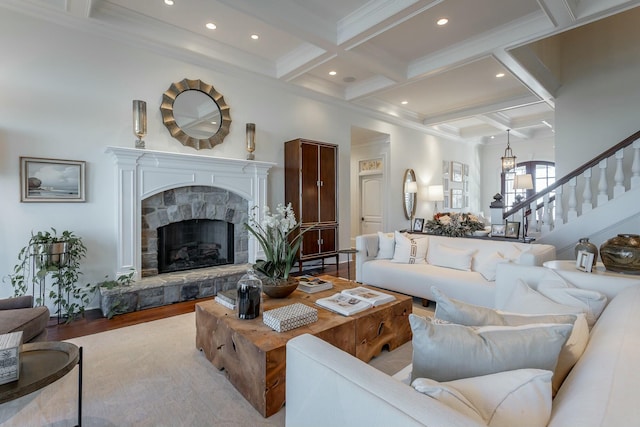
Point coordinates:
[(195, 114), (409, 191)]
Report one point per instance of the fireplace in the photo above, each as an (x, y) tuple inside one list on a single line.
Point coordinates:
[(195, 243), (155, 189)]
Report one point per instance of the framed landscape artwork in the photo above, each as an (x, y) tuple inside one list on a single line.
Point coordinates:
[(51, 180)]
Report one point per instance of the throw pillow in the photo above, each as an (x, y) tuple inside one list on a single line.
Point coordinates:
[(488, 265), (455, 311), (386, 245), (526, 300), (516, 398), (591, 303), (446, 352), (445, 256), (409, 250)]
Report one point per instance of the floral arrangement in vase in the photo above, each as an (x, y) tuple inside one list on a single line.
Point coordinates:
[(454, 224), (280, 246)]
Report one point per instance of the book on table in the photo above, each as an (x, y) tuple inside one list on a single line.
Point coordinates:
[(227, 298), (312, 284), (352, 301)]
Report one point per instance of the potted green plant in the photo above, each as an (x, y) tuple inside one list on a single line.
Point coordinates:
[(275, 233), (58, 256)]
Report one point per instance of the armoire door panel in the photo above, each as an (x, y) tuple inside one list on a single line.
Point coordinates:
[(309, 209), (328, 185)]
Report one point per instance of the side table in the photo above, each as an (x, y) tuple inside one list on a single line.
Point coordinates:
[(350, 253), (43, 363)]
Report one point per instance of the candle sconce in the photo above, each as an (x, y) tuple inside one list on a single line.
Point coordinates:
[(139, 121), (251, 140)]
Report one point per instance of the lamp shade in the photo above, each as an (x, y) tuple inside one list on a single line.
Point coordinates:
[(523, 182), (435, 193), (412, 187)]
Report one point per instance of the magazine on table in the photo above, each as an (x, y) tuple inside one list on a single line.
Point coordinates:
[(312, 284), (352, 301)]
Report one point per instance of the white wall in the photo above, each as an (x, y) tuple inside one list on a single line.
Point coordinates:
[(67, 95), (597, 105)]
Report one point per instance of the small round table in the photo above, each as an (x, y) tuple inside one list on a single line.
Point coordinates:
[(42, 363), (349, 252)]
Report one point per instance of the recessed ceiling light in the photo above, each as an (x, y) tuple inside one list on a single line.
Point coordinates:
[(255, 36), (442, 21), (404, 102), (332, 73), (168, 2), (211, 26), (500, 75)]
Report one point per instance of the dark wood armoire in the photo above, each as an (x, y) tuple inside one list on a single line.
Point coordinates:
[(311, 185)]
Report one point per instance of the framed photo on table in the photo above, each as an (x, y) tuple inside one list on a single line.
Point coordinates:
[(497, 230), (51, 180), (418, 224), (512, 230), (584, 261)]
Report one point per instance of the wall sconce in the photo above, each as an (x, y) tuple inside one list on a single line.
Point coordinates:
[(139, 121), (435, 193), (508, 160), (251, 140)]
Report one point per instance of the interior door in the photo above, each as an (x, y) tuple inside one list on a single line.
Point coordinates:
[(370, 204)]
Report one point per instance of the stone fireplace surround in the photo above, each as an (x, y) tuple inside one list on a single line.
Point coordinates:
[(142, 174)]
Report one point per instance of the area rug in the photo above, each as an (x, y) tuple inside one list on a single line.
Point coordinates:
[(151, 374)]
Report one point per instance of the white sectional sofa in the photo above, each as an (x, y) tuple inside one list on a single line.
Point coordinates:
[(463, 268), (326, 386)]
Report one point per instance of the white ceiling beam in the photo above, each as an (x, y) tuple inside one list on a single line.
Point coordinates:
[(362, 89), (301, 60), (502, 123), (560, 12)]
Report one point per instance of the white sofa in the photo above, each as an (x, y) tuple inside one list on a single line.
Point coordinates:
[(326, 386), (470, 286)]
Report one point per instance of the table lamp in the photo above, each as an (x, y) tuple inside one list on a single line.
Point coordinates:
[(435, 193), (523, 182)]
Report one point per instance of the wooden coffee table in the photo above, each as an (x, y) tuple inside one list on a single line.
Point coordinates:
[(253, 355)]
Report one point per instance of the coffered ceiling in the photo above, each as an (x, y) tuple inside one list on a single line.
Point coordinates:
[(390, 57)]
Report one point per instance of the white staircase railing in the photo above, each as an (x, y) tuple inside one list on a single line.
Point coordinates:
[(616, 170)]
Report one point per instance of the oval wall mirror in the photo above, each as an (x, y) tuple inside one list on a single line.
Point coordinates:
[(409, 189), (195, 114)]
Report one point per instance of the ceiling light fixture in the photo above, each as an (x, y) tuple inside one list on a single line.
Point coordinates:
[(508, 160), (211, 26), (255, 36), (168, 2), (404, 102), (442, 21), (332, 73), (500, 75)]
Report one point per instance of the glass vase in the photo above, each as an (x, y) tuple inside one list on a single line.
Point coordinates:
[(249, 297)]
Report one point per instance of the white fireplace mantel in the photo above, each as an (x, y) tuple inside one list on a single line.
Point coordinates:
[(143, 173)]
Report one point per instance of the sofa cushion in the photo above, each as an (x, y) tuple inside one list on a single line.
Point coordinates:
[(459, 312), (31, 321), (591, 303), (446, 352), (524, 299), (487, 265), (409, 250), (446, 256), (386, 245), (518, 398)]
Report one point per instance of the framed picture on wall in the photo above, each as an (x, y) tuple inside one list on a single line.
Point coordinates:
[(456, 198), (445, 203), (51, 180), (456, 171)]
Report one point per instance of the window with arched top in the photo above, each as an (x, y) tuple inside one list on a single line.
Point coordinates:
[(543, 174)]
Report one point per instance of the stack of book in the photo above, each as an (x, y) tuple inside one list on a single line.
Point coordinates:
[(311, 284), (227, 298)]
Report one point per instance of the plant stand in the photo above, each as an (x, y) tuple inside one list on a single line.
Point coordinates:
[(56, 255)]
